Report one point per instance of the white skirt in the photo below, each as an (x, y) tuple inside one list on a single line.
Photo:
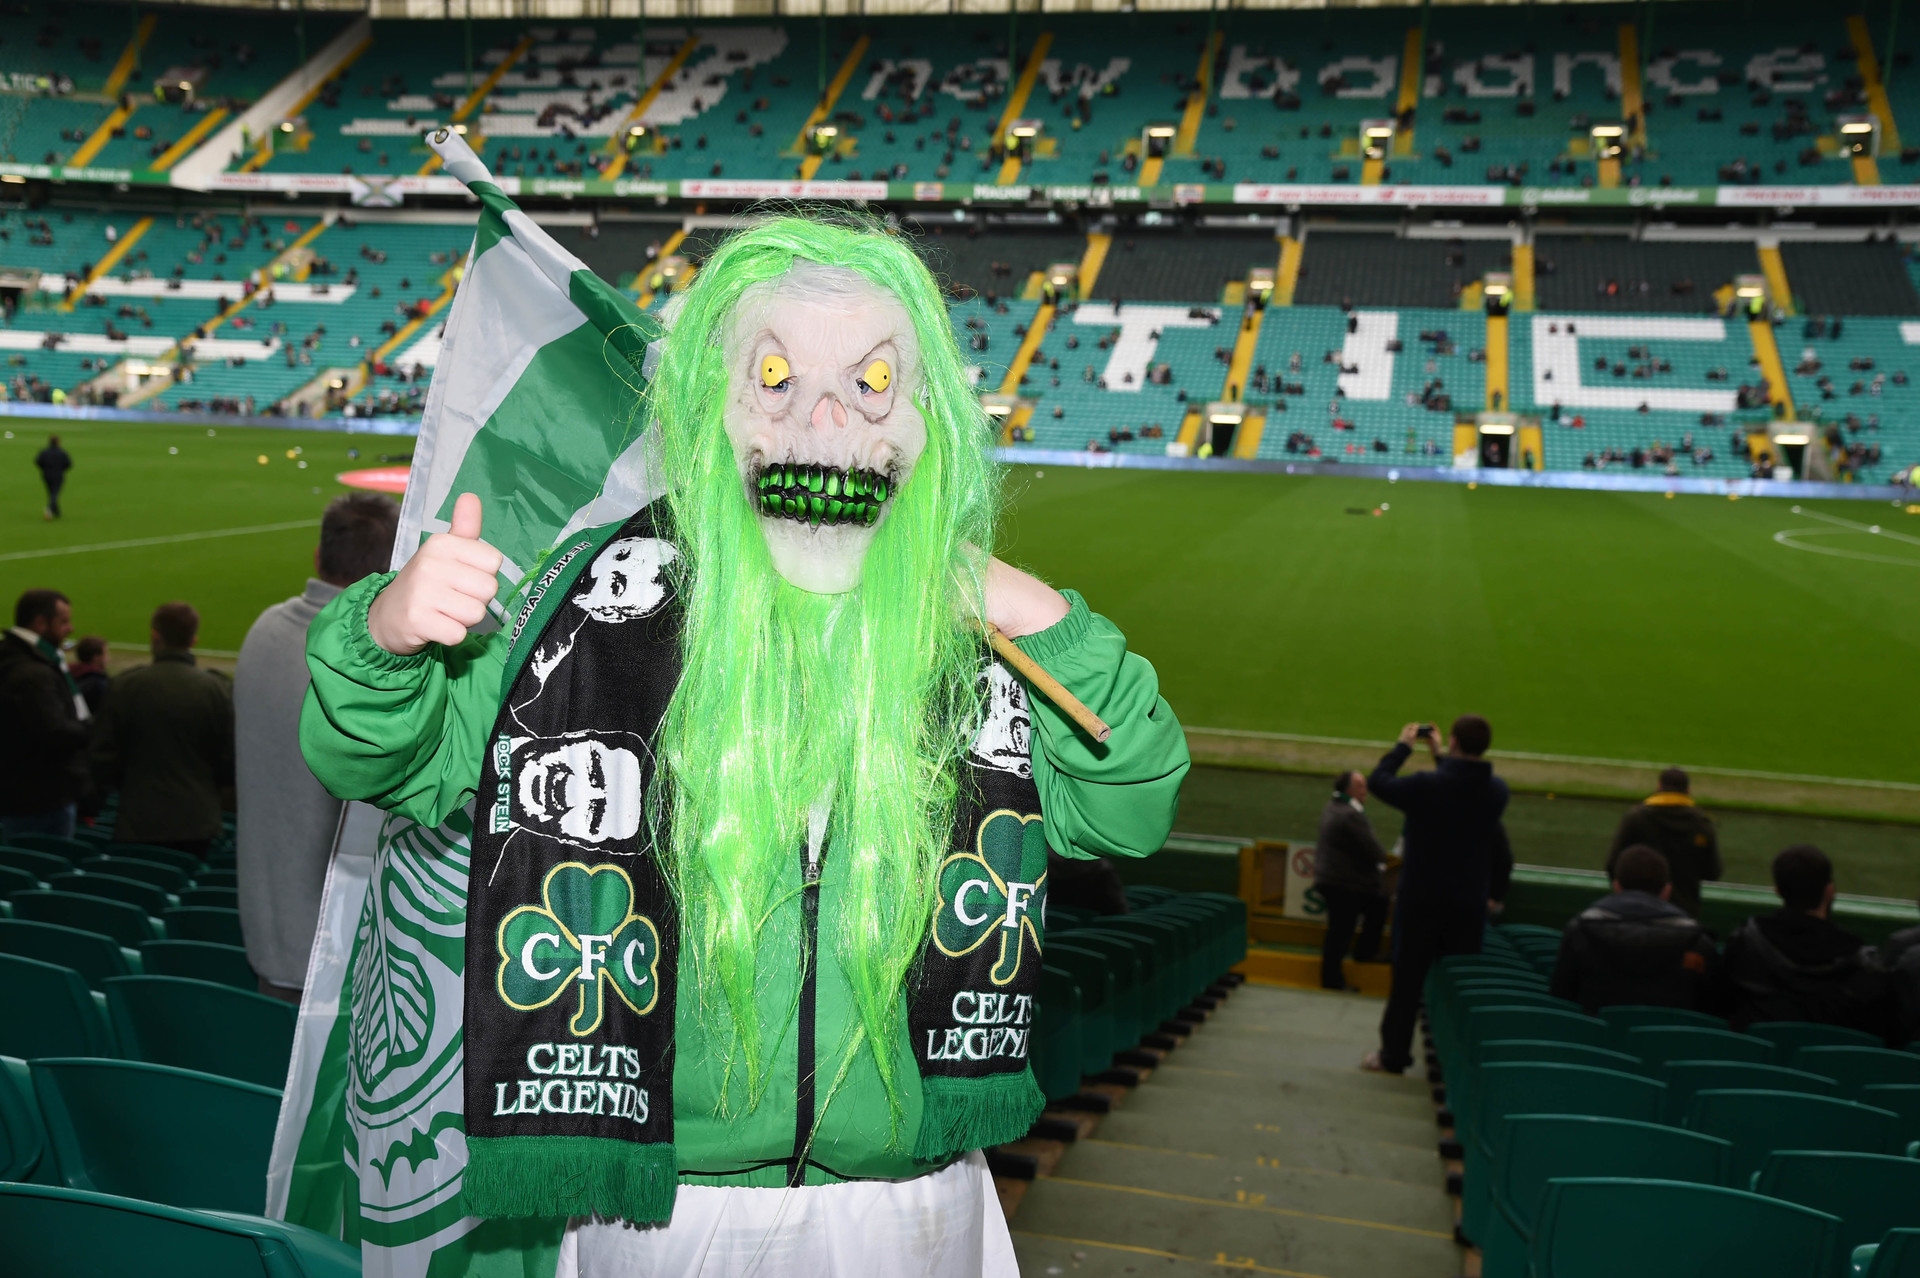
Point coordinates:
[(944, 1225)]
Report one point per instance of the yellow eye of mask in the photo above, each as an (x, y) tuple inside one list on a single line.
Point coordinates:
[(878, 376), (773, 371)]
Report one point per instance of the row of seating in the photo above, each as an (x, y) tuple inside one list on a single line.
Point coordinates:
[(1795, 1142)]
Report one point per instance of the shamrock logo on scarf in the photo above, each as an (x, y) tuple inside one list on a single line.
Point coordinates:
[(584, 934), (996, 890)]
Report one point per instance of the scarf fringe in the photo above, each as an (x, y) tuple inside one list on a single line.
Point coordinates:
[(515, 1176), (960, 1114)]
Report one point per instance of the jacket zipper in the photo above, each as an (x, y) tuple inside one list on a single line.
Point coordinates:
[(803, 1101)]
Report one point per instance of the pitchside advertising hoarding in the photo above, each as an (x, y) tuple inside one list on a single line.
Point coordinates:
[(386, 189)]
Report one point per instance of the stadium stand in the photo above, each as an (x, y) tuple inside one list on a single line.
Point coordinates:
[(1375, 270), (1614, 274)]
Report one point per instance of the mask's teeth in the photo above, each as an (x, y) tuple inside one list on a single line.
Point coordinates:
[(833, 483), (857, 483), (872, 512), (879, 487)]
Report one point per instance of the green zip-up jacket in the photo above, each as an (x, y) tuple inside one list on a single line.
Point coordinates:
[(406, 733)]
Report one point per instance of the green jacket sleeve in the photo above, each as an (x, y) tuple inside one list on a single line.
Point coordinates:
[(1116, 799), (406, 734)]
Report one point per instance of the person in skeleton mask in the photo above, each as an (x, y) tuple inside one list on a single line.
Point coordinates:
[(847, 801)]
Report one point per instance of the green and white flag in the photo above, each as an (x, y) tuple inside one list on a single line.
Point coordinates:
[(535, 407)]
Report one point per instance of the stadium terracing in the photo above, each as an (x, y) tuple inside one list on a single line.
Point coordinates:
[(1668, 238)]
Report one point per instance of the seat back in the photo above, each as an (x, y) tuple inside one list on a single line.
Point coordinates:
[(151, 900), (1095, 979), (1547, 1049), (1131, 975), (72, 849), (54, 1232), (14, 879), (1054, 1049), (165, 876), (1537, 1148), (200, 961), (1757, 1122), (1528, 1087), (156, 1133), (223, 898), (1685, 1079), (1896, 1256), (197, 1025), (203, 923), (47, 1010), (23, 1139), (35, 862), (1870, 1193), (1678, 1230), (1507, 1021), (127, 924), (1788, 1037), (94, 956), (186, 862), (1903, 1099), (1655, 1045), (1631, 1016), (1856, 1067)]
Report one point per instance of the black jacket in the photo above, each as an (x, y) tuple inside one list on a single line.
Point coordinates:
[(1902, 958), (43, 743), (1346, 854), (1453, 819), (54, 463), (1672, 826), (1631, 947), (166, 741), (1790, 966)]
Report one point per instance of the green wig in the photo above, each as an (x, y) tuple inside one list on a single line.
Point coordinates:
[(788, 697)]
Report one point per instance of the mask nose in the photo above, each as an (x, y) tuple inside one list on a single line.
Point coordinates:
[(828, 411)]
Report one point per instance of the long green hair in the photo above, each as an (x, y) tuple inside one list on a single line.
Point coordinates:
[(789, 696)]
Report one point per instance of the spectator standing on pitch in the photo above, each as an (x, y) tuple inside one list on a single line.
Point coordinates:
[(1347, 872), (285, 821), (1635, 946), (54, 463), (43, 722), (166, 741), (1797, 964), (1453, 823), (89, 671), (1670, 824)]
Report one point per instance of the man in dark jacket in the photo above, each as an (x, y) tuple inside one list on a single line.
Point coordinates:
[(1634, 946), (1670, 824), (1453, 824), (54, 463), (43, 728), (1902, 958), (166, 740), (1347, 863), (1797, 964)]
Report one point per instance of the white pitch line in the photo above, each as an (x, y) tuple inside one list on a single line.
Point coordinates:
[(136, 542), (1790, 538), (1871, 529)]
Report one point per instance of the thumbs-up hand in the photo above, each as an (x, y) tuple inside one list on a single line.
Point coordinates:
[(442, 591)]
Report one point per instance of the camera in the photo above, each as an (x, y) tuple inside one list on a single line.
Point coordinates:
[(1424, 730)]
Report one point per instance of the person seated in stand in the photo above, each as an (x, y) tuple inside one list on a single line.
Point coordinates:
[(1796, 964), (1634, 945)]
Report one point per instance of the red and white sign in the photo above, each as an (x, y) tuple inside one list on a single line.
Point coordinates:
[(378, 479)]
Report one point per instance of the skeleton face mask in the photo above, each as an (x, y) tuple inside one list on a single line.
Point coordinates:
[(823, 368), (582, 788)]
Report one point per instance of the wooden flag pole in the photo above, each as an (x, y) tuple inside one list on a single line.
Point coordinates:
[(1029, 669)]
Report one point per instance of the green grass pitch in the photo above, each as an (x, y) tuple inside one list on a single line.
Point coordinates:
[(1626, 626)]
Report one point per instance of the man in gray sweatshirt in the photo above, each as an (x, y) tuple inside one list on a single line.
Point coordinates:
[(286, 821)]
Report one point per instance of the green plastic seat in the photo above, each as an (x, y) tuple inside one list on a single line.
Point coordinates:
[(94, 956), (71, 849), (171, 1020), (1154, 966), (1686, 1079), (1655, 1045), (1537, 1148), (23, 1138), (1141, 895), (156, 1133), (1869, 1193), (224, 898), (1788, 1037), (1856, 1067), (1461, 1094), (1094, 978), (200, 961), (1606, 1227), (39, 864), (127, 924), (151, 900), (1896, 1255), (1055, 1046), (1526, 1087), (1631, 1016), (1130, 964), (1757, 1122), (13, 879), (1903, 1099), (47, 1010), (53, 1232), (186, 862), (217, 878), (203, 923), (167, 878)]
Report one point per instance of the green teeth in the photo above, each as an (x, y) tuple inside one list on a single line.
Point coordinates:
[(820, 495)]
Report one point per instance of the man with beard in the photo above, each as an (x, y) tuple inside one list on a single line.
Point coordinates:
[(778, 1016)]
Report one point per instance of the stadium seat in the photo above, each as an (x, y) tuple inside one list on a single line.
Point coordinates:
[(47, 1010), (147, 898), (168, 878), (156, 1133), (1538, 1148), (200, 961), (1788, 1037), (53, 1232), (217, 878), (1134, 980), (1903, 1099), (72, 849), (1055, 1052), (1095, 979), (1678, 1230), (1756, 1122), (23, 1138), (13, 879), (1896, 1255), (1685, 1079), (94, 956), (1631, 1016), (127, 924), (1504, 1021), (1856, 1067), (1869, 1193), (35, 862), (203, 923), (185, 862), (1655, 1045), (1154, 974), (223, 898), (171, 1020)]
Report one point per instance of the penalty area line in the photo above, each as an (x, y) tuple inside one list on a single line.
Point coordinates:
[(135, 543)]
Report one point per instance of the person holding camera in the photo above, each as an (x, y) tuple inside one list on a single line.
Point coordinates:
[(1450, 838), (1347, 865)]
